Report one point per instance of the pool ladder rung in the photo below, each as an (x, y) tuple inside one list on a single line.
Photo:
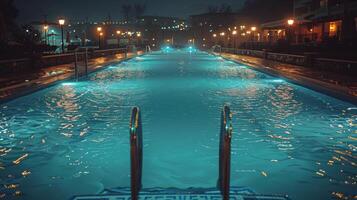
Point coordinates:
[(136, 152)]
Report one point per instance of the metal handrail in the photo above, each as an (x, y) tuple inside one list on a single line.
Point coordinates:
[(136, 152), (223, 182)]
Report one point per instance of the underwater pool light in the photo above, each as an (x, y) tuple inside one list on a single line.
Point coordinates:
[(68, 84), (278, 81)]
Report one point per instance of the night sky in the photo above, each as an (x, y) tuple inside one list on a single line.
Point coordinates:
[(30, 10)]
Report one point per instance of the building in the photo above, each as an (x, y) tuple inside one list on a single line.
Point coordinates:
[(225, 29), (146, 30), (315, 21)]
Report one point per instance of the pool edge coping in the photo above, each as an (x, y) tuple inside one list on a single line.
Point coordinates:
[(337, 92), (38, 87)]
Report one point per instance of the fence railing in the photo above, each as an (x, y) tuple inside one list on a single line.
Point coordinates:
[(307, 60), (18, 65)]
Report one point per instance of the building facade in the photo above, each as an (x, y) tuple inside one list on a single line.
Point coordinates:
[(316, 21)]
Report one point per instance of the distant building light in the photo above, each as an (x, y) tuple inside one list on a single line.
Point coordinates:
[(253, 28)]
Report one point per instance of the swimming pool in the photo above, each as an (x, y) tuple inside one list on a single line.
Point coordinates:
[(73, 138)]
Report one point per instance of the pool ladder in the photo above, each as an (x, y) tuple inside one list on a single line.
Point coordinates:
[(136, 153)]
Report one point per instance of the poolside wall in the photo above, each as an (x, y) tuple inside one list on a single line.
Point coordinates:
[(19, 65), (307, 60)]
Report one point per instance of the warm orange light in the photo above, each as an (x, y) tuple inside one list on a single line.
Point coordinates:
[(223, 34), (61, 22), (214, 35), (101, 34), (118, 32), (138, 34), (234, 32), (45, 27), (99, 29), (291, 22), (253, 28)]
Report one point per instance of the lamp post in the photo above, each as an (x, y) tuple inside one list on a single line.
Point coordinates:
[(118, 38), (100, 38), (61, 22), (45, 28), (99, 30), (290, 35), (222, 34), (234, 33), (253, 29), (138, 35), (214, 38)]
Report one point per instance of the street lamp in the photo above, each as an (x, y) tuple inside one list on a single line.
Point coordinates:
[(100, 36), (291, 22), (253, 29), (138, 35), (45, 28), (100, 33), (290, 29), (234, 33), (61, 22), (118, 38), (214, 38)]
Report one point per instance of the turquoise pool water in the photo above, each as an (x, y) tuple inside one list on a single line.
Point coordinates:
[(73, 138)]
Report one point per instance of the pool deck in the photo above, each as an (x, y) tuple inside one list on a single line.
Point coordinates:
[(339, 86), (16, 85)]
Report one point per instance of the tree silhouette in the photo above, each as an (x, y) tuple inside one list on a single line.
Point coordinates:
[(212, 9), (126, 9), (348, 32), (225, 8), (267, 10), (139, 10), (8, 14)]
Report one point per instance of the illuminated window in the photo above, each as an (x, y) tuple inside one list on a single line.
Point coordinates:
[(334, 28)]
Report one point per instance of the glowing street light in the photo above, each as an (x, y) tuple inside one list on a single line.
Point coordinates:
[(290, 33), (253, 28), (222, 34), (234, 33), (99, 29), (45, 28), (214, 35), (118, 37), (61, 22), (291, 22)]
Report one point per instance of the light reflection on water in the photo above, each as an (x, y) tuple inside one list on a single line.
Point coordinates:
[(73, 137)]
